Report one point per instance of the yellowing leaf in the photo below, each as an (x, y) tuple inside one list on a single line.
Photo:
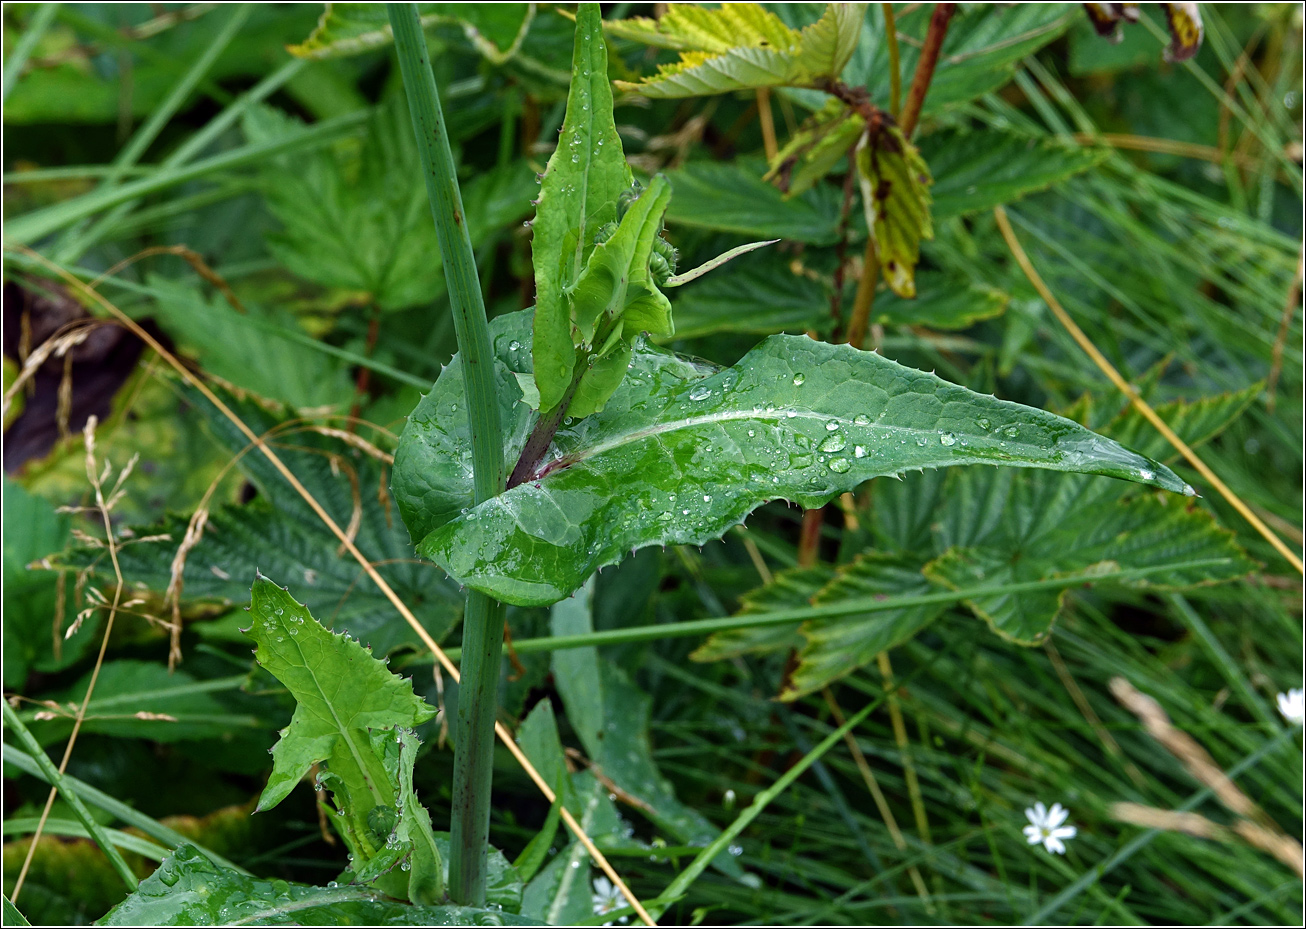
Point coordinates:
[(742, 46), (812, 152), (895, 193)]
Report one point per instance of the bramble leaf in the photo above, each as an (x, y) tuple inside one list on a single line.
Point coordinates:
[(742, 46), (813, 151), (790, 589), (684, 450), (496, 30), (895, 194)]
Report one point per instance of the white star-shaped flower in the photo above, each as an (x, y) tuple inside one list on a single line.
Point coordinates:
[(1045, 826), (607, 898), (1293, 706)]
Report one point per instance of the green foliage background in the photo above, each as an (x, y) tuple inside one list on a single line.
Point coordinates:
[(1162, 204)]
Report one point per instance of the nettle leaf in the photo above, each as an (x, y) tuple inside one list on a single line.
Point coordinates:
[(278, 533), (343, 695), (976, 171), (895, 194), (1001, 527), (741, 46), (790, 589), (835, 647), (189, 890), (684, 450), (732, 197), (496, 30), (360, 222), (586, 175)]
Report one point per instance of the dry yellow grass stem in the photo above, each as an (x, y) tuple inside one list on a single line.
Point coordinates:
[(504, 735), (103, 505), (1253, 825), (1128, 390)]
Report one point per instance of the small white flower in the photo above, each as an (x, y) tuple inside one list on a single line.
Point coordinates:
[(1293, 706), (1045, 826), (607, 898)]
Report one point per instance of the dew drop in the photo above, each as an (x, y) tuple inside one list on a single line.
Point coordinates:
[(859, 451), (707, 498), (840, 465), (983, 423), (832, 425), (1010, 432), (701, 392), (751, 433), (1145, 474), (834, 443), (948, 438), (799, 379), (921, 441), (514, 345), (862, 419)]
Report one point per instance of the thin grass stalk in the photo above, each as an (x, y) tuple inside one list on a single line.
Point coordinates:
[(56, 780), (694, 627), (483, 617), (16, 59), (74, 242)]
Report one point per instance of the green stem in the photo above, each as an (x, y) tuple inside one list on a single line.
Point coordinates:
[(16, 59), (483, 618), (696, 627), (56, 780)]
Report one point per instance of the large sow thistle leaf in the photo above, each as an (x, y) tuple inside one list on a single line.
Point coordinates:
[(684, 450), (496, 30), (742, 46), (188, 890)]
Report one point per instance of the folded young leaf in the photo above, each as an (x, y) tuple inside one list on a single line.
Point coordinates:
[(685, 450), (895, 193), (586, 175), (341, 693), (742, 46), (496, 30), (812, 152)]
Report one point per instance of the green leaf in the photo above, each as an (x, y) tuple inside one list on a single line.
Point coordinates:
[(12, 917), (976, 171), (615, 297), (610, 716), (426, 868), (732, 197), (684, 450), (341, 693), (790, 589), (813, 151), (586, 174), (496, 30), (278, 533), (187, 890), (536, 851), (895, 194), (1002, 527), (245, 355), (32, 530), (742, 46), (835, 647), (359, 222)]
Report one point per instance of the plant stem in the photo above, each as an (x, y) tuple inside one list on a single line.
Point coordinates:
[(895, 70), (865, 299), (36, 27), (483, 617), (920, 82)]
